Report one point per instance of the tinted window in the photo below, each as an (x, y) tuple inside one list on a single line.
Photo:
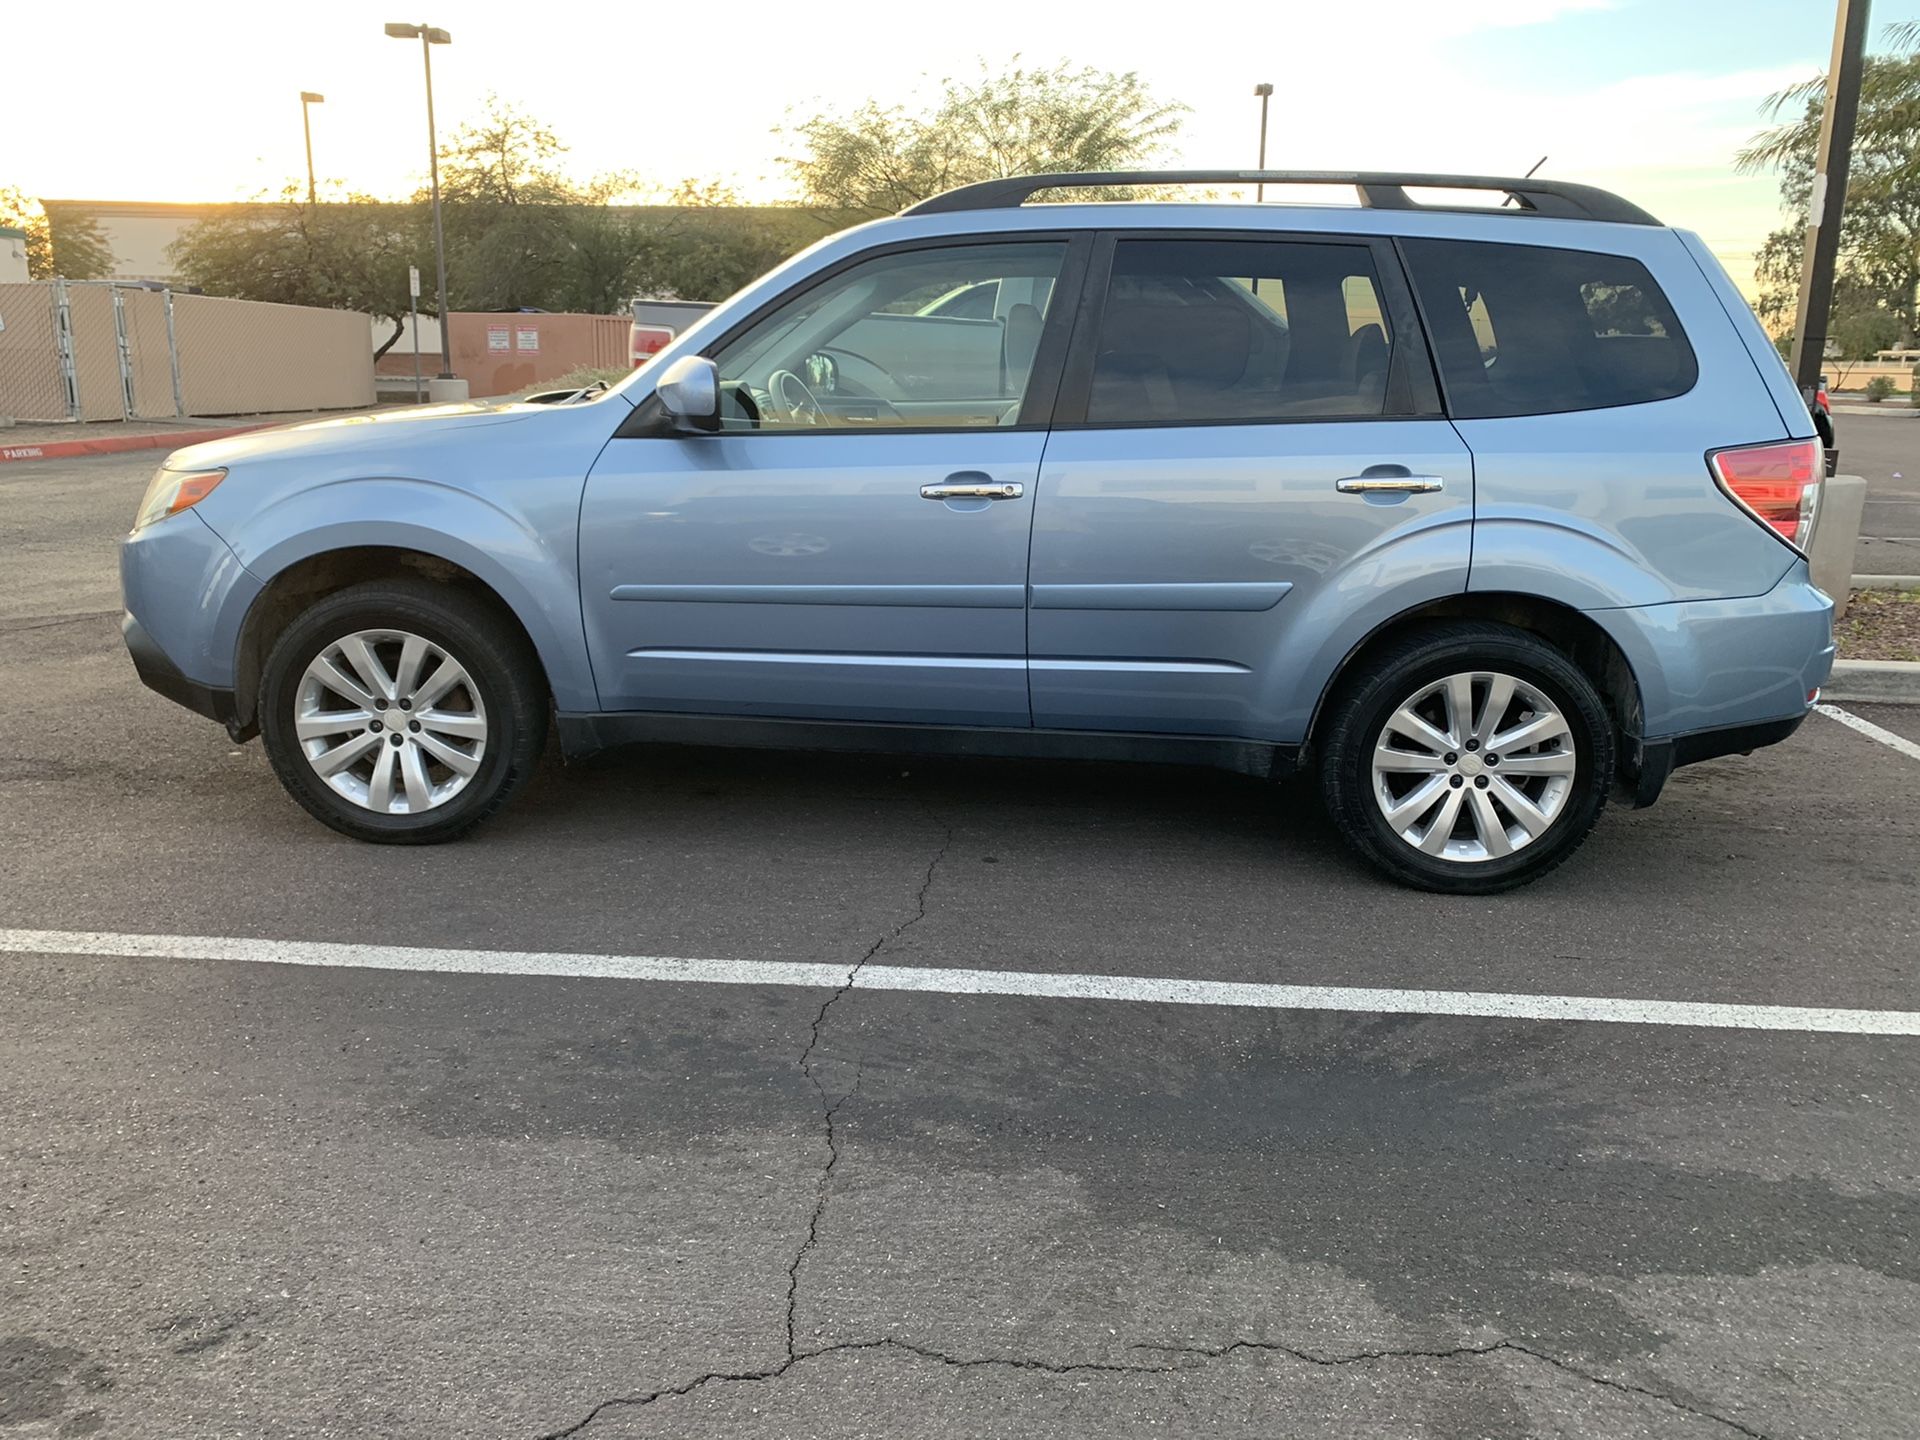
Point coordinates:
[(1524, 330), (917, 338), (1247, 330)]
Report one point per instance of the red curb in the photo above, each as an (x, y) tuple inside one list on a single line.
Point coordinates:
[(165, 440)]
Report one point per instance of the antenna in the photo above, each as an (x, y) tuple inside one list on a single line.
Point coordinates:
[(1528, 176)]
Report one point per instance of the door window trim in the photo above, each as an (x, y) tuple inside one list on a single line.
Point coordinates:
[(1037, 405), (1413, 392)]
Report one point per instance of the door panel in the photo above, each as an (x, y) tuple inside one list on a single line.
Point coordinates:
[(1249, 475), (1172, 567), (803, 575)]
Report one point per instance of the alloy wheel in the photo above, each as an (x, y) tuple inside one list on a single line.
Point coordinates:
[(390, 721), (1474, 766)]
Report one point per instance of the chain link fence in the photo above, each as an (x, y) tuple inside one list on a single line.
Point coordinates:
[(98, 350)]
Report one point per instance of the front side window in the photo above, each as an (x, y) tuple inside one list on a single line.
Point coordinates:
[(938, 338), (1240, 330), (1528, 330)]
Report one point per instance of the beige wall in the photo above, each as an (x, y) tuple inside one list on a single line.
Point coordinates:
[(236, 357), (240, 356), (30, 383), (501, 354)]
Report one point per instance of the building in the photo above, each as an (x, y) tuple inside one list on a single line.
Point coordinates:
[(13, 255)]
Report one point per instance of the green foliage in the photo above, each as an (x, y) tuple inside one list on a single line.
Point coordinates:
[(72, 247), (1878, 277), (877, 161), (350, 255), (1879, 388)]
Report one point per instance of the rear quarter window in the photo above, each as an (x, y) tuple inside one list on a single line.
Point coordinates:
[(1527, 330)]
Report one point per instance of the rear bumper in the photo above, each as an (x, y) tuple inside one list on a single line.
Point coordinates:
[(1655, 760), (161, 675)]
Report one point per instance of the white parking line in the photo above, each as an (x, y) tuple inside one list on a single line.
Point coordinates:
[(1872, 731), (932, 980)]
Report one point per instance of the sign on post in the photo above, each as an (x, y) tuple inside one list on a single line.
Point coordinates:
[(413, 281)]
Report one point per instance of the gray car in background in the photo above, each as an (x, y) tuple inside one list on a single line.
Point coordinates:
[(1479, 512)]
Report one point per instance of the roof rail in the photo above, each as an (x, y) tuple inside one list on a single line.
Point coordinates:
[(1379, 190)]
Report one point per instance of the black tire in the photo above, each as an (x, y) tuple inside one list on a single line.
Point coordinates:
[(1387, 679), (470, 627)]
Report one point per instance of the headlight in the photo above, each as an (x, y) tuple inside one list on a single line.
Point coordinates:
[(171, 491)]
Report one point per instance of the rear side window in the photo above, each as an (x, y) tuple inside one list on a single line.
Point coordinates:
[(1525, 330), (1222, 331)]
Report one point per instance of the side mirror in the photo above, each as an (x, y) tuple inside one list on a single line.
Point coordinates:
[(690, 393)]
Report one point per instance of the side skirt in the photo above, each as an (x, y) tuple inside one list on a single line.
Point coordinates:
[(582, 735)]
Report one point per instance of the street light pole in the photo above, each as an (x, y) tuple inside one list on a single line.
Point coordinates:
[(307, 100), (1265, 92), (429, 36), (1829, 199)]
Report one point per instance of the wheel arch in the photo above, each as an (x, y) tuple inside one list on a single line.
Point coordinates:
[(299, 584), (1574, 634)]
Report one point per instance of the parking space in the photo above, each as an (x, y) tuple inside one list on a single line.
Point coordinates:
[(249, 1197), (1885, 449)]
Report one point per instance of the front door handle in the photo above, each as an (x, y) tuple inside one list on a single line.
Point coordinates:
[(1396, 484), (973, 490)]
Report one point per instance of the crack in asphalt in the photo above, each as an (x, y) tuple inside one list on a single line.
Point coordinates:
[(19, 625), (830, 1109), (1096, 1367), (905, 1347), (1455, 1352)]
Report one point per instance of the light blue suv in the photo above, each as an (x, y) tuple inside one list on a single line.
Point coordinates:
[(1480, 513)]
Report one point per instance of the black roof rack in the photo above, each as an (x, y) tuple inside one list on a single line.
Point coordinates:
[(1379, 190)]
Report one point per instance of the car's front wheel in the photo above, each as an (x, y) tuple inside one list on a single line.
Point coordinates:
[(1467, 758), (402, 712)]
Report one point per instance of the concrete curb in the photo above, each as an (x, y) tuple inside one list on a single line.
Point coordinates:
[(1871, 682), (1886, 582), (118, 444)]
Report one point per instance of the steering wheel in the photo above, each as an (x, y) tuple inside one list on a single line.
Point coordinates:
[(791, 395)]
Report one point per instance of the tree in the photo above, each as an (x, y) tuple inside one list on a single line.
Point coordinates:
[(74, 247), (710, 243), (1877, 279), (878, 161), (346, 255), (521, 233)]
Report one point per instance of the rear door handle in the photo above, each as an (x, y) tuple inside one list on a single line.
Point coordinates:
[(1402, 484), (973, 490)]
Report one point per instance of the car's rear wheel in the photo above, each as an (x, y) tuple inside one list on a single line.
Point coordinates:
[(401, 711), (1467, 758)]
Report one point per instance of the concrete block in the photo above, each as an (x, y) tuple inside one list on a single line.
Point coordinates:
[(447, 392), (1885, 682), (1836, 533)]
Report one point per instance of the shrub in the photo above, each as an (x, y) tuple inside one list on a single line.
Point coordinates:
[(1878, 388)]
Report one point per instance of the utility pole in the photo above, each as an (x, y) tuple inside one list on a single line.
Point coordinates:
[(307, 101), (1265, 92), (1827, 204)]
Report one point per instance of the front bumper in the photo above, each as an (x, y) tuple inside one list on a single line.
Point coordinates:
[(185, 595), (161, 675)]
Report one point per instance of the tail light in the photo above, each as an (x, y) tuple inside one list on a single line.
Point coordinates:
[(1777, 483), (648, 341), (1820, 398)]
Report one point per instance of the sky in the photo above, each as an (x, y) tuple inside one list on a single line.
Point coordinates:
[(1647, 97)]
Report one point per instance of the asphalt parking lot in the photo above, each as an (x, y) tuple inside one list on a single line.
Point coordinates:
[(1885, 448), (399, 1194)]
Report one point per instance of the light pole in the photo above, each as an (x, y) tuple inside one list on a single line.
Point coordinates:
[(1265, 92), (429, 37), (307, 101)]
